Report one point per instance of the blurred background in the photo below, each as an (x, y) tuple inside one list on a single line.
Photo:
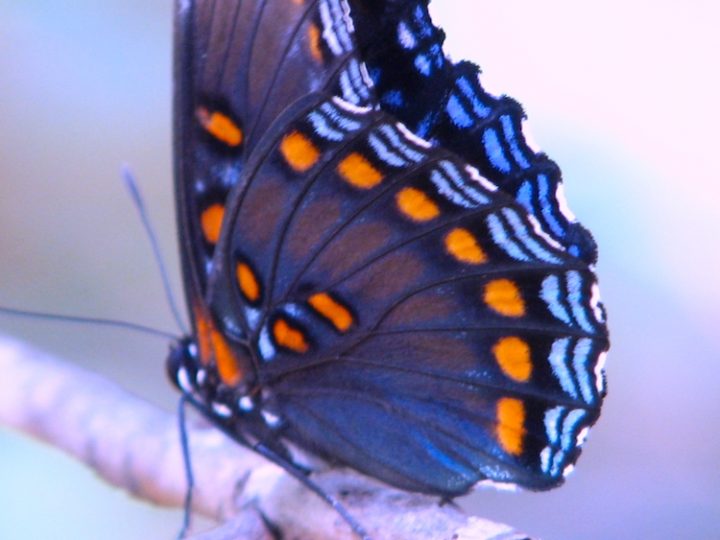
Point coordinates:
[(623, 95)]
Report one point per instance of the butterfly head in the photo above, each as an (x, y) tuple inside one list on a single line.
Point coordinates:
[(199, 381), (183, 367)]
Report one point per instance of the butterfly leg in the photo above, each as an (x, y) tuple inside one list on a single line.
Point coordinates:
[(269, 452), (302, 476), (447, 500), (190, 480)]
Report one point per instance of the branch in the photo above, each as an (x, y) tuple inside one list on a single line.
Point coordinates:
[(134, 445)]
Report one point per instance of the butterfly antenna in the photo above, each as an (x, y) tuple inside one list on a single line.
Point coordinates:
[(87, 320), (187, 463), (130, 182)]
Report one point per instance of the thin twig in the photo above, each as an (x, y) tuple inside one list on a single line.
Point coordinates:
[(134, 445)]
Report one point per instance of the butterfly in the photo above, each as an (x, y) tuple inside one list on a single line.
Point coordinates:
[(379, 269)]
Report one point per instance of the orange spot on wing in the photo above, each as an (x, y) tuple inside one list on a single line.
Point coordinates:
[(227, 363), (331, 309), (299, 151), (289, 337), (211, 222), (416, 205), (248, 282), (462, 245), (212, 346), (504, 296), (513, 356), (359, 172), (510, 429), (314, 42), (220, 126), (202, 325)]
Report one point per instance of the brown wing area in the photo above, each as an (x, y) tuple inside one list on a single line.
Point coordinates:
[(238, 65)]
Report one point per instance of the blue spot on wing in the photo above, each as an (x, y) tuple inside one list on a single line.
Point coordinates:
[(494, 150), (512, 140), (458, 113)]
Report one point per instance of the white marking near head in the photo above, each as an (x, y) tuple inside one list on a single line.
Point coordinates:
[(246, 404), (221, 410), (271, 419), (183, 380)]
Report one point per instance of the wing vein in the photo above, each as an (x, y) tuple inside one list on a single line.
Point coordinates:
[(276, 72)]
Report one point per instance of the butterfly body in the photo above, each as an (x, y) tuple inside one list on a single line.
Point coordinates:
[(358, 290)]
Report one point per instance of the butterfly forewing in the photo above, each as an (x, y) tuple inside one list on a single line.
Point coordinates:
[(240, 64)]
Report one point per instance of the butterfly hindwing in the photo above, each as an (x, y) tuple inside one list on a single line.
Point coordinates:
[(405, 302)]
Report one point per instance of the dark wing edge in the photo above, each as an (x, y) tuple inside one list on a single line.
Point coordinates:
[(183, 119), (446, 102)]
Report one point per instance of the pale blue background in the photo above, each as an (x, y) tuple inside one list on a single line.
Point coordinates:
[(623, 95)]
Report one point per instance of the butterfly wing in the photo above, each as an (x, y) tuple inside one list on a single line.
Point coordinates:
[(446, 102), (409, 319), (238, 65)]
